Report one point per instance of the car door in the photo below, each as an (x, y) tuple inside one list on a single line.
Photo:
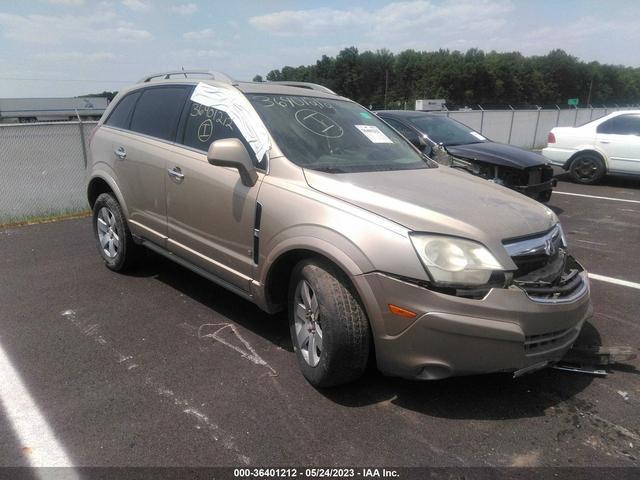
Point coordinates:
[(141, 151), (211, 213), (619, 138)]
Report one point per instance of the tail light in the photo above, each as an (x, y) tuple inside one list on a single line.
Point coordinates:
[(551, 138)]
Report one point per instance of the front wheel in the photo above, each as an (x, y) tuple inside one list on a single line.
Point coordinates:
[(587, 169), (329, 328)]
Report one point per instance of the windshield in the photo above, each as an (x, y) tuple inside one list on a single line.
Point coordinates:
[(446, 131), (334, 136)]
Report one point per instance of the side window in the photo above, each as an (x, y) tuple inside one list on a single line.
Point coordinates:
[(121, 114), (205, 125), (158, 111), (409, 133), (621, 125)]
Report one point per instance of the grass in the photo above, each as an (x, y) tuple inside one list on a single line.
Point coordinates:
[(47, 218)]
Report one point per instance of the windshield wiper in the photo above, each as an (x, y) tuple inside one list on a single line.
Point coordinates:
[(328, 169)]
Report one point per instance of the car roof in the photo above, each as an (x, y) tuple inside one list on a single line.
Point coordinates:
[(624, 112), (244, 87)]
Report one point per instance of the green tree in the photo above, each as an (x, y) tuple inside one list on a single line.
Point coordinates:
[(469, 78)]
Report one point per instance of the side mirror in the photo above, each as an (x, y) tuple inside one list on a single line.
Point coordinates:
[(231, 152)]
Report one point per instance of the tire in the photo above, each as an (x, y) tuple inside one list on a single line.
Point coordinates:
[(324, 310), (113, 238), (587, 168), (545, 196)]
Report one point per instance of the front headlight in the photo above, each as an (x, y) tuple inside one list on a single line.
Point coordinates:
[(455, 261)]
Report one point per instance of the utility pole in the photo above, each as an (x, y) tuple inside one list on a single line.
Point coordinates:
[(386, 86), (590, 88)]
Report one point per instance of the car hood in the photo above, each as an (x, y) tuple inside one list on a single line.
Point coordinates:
[(498, 154), (439, 200)]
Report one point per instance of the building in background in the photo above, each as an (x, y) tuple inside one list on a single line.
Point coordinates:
[(431, 104), (26, 110)]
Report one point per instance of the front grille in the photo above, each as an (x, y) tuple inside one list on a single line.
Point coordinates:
[(546, 341), (535, 176), (534, 253), (545, 271)]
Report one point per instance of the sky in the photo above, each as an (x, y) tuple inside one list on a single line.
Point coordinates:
[(72, 47)]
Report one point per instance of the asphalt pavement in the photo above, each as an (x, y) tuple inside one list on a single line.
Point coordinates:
[(161, 367)]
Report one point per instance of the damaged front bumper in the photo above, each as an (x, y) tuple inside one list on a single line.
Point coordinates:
[(535, 190), (535, 182), (507, 330)]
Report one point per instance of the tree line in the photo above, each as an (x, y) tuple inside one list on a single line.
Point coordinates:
[(383, 79)]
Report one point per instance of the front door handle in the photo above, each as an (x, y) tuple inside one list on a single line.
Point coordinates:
[(176, 174), (121, 153), (605, 141)]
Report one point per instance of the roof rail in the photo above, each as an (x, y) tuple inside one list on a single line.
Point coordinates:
[(221, 77), (308, 85)]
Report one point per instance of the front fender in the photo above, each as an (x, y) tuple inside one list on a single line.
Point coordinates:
[(318, 239), (104, 172)]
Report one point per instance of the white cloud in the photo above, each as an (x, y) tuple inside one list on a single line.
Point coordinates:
[(199, 58), (200, 35), (76, 57), (136, 5), (70, 3), (403, 19), (94, 28), (308, 22), (184, 8)]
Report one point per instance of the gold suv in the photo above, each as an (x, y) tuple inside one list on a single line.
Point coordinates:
[(296, 198)]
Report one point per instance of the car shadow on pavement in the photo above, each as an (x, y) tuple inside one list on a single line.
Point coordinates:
[(273, 328), (488, 397), (480, 397)]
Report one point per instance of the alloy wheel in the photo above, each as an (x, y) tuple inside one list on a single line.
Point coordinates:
[(108, 233), (586, 168), (307, 324)]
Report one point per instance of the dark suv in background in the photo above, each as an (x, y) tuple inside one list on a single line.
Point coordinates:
[(454, 144)]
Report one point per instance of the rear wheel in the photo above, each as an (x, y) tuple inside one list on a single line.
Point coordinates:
[(115, 243), (587, 168), (329, 328)]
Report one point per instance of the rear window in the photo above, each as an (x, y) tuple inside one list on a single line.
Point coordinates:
[(446, 131), (158, 111), (121, 114)]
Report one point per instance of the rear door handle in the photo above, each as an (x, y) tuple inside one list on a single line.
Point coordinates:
[(176, 174), (605, 141), (121, 153)]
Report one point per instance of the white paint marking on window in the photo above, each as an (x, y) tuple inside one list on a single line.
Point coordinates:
[(37, 440), (555, 192), (617, 281)]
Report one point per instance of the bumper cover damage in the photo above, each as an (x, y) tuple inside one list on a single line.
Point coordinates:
[(536, 182), (528, 325)]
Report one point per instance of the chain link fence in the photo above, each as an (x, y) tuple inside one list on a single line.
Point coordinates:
[(43, 169), (525, 128), (44, 164)]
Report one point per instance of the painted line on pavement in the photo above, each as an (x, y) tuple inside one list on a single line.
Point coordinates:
[(616, 281), (555, 192), (39, 445)]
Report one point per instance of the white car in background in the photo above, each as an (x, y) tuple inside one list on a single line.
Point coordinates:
[(610, 144)]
